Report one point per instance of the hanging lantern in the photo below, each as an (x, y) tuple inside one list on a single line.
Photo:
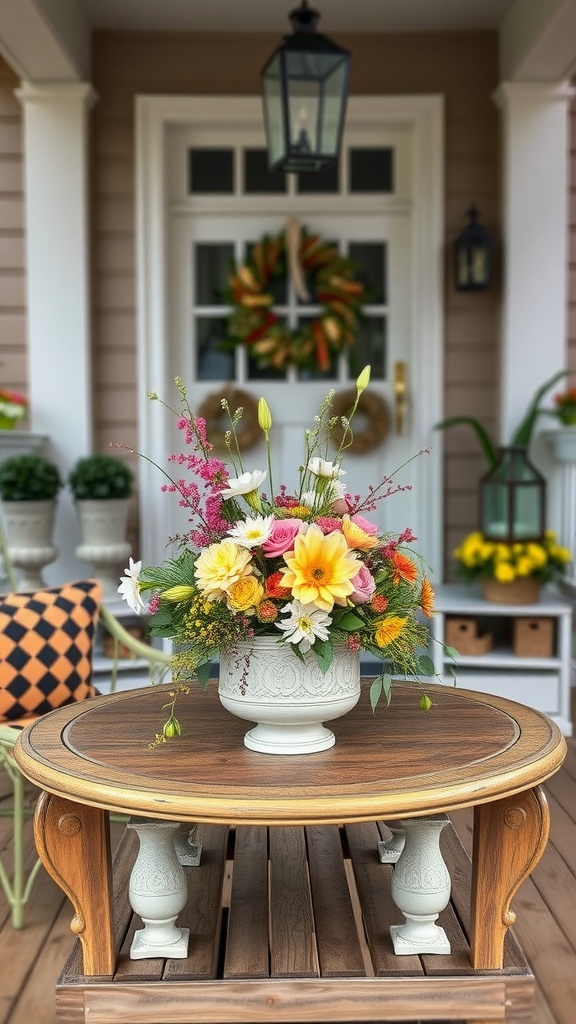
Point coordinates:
[(305, 86), (513, 499), (473, 256)]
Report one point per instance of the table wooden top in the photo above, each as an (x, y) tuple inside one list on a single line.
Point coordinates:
[(469, 748)]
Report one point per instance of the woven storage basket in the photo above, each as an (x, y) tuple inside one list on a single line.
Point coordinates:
[(519, 591)]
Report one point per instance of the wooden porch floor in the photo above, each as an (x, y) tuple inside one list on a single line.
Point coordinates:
[(31, 959)]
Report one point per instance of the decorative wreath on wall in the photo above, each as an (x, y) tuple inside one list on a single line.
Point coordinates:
[(377, 415), (321, 275), (217, 421)]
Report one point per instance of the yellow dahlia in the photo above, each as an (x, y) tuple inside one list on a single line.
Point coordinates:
[(389, 630), (221, 565), (320, 569)]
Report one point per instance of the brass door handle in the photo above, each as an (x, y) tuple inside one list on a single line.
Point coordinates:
[(400, 396)]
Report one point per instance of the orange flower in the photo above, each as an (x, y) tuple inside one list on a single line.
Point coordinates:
[(267, 612), (404, 568), (427, 598), (273, 588)]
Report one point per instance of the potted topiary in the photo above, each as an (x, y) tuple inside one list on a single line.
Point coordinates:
[(29, 486), (101, 486)]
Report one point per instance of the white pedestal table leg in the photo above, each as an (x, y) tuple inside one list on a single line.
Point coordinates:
[(158, 892), (421, 888)]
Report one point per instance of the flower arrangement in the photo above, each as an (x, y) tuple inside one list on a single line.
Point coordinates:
[(13, 408), (565, 406), (308, 567), (479, 558)]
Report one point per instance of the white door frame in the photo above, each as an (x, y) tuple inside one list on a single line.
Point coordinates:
[(424, 115)]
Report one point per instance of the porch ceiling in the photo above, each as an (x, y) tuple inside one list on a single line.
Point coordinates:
[(272, 15)]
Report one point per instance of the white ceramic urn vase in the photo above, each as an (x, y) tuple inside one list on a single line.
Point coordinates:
[(265, 682), (103, 540), (29, 527)]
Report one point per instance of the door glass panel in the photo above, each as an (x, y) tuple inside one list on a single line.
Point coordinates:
[(211, 171), (371, 268), (317, 373), (327, 180), (257, 177), (371, 169), (212, 268), (212, 362), (256, 372), (370, 347)]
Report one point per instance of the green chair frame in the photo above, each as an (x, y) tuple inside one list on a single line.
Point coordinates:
[(16, 885)]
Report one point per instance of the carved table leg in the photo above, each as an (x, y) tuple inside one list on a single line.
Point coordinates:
[(73, 843), (510, 837)]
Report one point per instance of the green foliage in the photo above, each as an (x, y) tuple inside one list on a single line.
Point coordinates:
[(523, 434), (29, 477), (96, 477)]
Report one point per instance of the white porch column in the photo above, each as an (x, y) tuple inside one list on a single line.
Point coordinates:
[(56, 190), (535, 148)]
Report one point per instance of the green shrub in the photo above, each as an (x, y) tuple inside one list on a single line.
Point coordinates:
[(97, 477), (29, 477)]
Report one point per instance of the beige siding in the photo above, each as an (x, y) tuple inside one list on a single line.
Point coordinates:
[(461, 67), (13, 358), (571, 318)]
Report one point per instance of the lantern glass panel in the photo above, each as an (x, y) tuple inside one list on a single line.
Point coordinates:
[(512, 499), (334, 89), (273, 117)]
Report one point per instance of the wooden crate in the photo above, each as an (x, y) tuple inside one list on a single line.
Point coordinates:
[(292, 924), (533, 637), (464, 634)]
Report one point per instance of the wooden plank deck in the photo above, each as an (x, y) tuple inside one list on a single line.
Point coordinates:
[(32, 959)]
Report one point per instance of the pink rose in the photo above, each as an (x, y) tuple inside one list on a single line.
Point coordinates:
[(282, 536), (364, 586), (365, 525)]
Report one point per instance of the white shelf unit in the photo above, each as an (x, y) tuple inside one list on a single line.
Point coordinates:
[(540, 682)]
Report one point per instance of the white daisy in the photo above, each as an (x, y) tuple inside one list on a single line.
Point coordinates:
[(324, 468), (306, 622), (244, 484), (129, 588), (252, 532)]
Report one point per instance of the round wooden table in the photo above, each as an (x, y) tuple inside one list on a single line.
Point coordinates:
[(470, 749)]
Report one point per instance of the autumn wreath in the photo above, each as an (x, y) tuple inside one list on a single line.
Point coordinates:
[(321, 275)]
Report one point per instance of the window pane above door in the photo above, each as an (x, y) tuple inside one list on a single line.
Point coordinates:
[(211, 171)]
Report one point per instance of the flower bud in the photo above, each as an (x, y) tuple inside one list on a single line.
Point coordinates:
[(171, 728), (363, 380), (425, 702), (264, 416), (179, 593)]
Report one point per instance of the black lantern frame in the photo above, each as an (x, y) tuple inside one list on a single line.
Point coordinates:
[(473, 256), (304, 91), (513, 499)]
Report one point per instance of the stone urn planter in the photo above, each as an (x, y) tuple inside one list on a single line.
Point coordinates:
[(102, 485), (29, 485)]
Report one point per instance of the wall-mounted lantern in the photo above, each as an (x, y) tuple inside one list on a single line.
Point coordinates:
[(305, 88), (473, 256)]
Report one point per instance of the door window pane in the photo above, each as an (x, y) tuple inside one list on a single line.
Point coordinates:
[(211, 171), (213, 362), (212, 268), (257, 177), (371, 169), (371, 269), (370, 347)]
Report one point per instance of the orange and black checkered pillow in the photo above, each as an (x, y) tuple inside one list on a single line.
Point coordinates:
[(46, 643)]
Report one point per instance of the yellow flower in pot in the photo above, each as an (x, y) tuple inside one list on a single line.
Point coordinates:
[(511, 573)]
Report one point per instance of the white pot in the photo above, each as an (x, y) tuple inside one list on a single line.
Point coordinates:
[(265, 682), (103, 540), (29, 528)]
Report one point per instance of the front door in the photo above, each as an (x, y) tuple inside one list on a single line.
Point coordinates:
[(220, 201)]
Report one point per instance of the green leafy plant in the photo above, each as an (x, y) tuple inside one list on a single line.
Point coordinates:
[(97, 477), (522, 435), (29, 477)]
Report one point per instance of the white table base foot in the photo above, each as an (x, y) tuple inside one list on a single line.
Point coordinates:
[(142, 949), (408, 941)]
